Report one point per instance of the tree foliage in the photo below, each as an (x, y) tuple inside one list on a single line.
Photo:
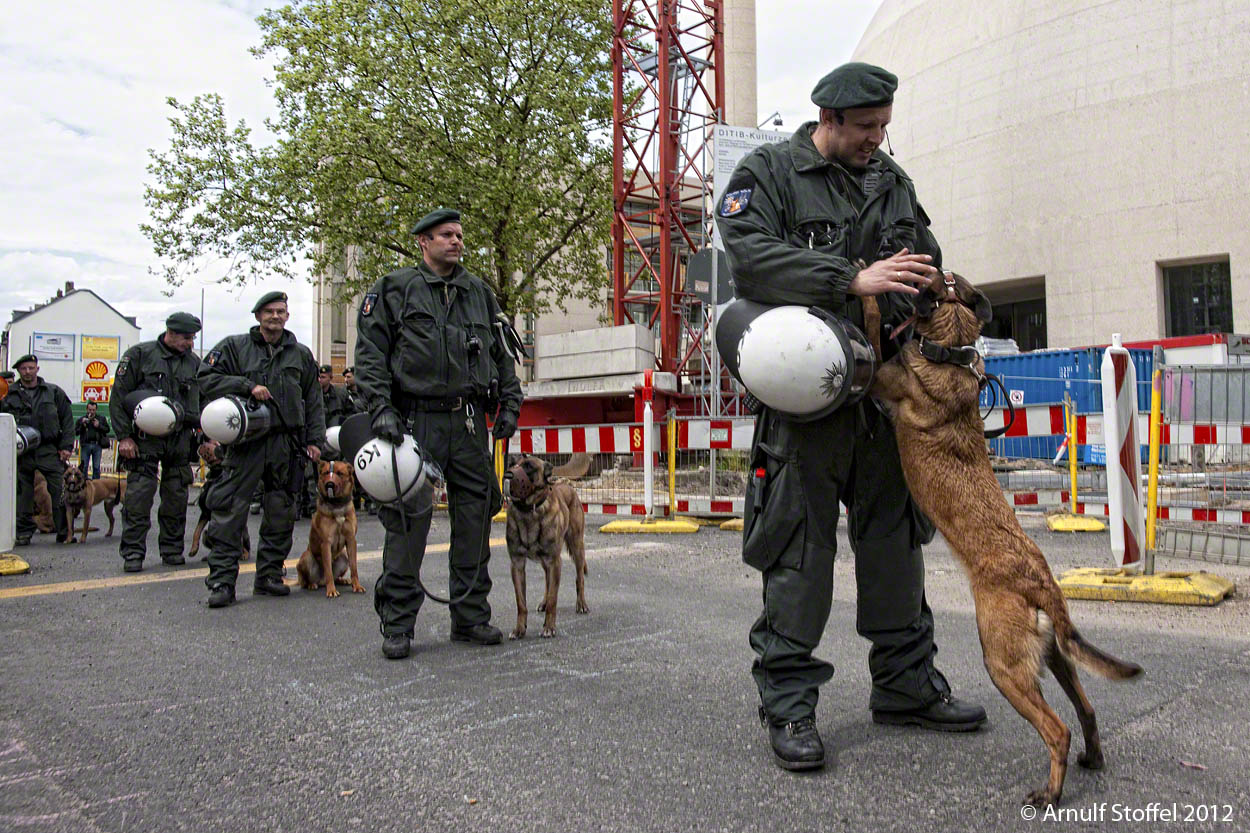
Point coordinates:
[(387, 109)]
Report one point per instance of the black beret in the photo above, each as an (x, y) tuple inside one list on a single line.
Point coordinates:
[(325, 368), (269, 298), (855, 85), (29, 357), (351, 368), (183, 322), (436, 218)]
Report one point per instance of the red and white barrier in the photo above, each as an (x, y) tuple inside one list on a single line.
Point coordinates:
[(1119, 397)]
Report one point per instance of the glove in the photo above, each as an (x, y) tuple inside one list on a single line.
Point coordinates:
[(387, 426), (505, 425)]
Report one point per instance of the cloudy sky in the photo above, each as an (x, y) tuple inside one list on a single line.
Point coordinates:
[(82, 98)]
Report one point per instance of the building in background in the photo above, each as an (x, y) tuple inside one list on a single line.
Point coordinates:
[(78, 338), (1085, 163)]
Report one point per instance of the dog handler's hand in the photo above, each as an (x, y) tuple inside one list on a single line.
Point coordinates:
[(386, 426), (901, 272), (260, 393), (505, 425), (314, 453), (128, 449), (64, 452)]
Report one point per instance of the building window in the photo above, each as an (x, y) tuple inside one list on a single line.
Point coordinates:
[(1024, 321), (338, 324), (1199, 299)]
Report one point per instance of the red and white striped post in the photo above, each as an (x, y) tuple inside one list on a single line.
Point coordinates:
[(648, 449), (1119, 407)]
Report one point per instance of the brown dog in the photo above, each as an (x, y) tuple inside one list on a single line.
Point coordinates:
[(43, 505), (932, 391), (543, 517), (332, 537), (80, 494)]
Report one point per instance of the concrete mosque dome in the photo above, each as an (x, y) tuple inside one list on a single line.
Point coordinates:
[(1087, 162)]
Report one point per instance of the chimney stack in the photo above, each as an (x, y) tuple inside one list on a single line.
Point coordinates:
[(69, 287)]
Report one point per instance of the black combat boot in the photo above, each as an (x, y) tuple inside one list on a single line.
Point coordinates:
[(396, 645), (270, 587), (221, 595), (796, 745), (946, 714), (483, 634)]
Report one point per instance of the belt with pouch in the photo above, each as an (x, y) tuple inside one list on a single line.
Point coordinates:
[(445, 404)]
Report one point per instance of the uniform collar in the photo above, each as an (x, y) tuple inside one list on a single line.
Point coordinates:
[(459, 276)]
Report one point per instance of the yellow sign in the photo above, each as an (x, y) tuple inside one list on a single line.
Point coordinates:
[(96, 369), (101, 347)]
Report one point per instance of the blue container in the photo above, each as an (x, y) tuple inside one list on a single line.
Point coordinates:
[(1043, 377)]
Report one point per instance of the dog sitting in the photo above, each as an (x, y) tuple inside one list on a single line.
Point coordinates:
[(931, 389), (210, 453), (81, 494), (43, 505), (543, 517), (332, 535)]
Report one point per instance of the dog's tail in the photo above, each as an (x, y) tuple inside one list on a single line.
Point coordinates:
[(1073, 646)]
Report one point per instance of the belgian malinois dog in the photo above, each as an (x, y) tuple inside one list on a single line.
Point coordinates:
[(931, 389)]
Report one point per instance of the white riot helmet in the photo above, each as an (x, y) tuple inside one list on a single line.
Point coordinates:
[(28, 439), (393, 474), (332, 438), (157, 415), (803, 362), (232, 419)]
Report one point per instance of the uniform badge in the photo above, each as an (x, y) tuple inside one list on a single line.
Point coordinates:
[(367, 305), (735, 202), (212, 357), (123, 368)]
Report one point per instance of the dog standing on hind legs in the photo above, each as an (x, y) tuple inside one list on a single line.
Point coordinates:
[(932, 391), (543, 518)]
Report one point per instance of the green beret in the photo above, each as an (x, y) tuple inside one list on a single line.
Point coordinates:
[(351, 368), (436, 218), (855, 85), (325, 368), (269, 298), (183, 322), (29, 357)]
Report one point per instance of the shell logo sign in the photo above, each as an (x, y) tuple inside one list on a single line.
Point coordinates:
[(97, 370)]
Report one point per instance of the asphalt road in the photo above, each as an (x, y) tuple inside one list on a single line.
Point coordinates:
[(127, 705)]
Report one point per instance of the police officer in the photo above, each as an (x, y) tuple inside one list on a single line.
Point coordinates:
[(270, 366), (93, 433), (169, 367), (333, 398), (427, 360), (800, 219), (45, 407), (355, 399)]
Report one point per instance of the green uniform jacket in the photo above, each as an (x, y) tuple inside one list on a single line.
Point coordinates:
[(792, 236), (239, 363), (150, 365), (424, 336), (45, 408), (338, 406)]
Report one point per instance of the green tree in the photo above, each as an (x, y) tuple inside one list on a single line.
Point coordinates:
[(386, 110)]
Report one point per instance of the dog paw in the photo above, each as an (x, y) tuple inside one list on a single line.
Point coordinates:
[(331, 592), (547, 633), (1039, 799), (582, 608), (1094, 761), (519, 633)]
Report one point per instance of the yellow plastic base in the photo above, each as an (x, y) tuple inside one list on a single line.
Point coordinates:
[(11, 565), (677, 525), (1074, 523), (500, 516), (1179, 588), (732, 525), (701, 521)]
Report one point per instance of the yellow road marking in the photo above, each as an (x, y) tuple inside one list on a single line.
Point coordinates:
[(201, 572)]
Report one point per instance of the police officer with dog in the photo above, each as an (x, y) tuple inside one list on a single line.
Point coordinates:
[(266, 365), (431, 360), (45, 408), (165, 367), (823, 220)]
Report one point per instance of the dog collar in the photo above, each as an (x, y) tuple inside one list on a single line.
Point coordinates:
[(530, 507), (962, 356)]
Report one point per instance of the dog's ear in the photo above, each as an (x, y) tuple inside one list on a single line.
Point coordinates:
[(547, 468), (324, 466), (974, 298), (985, 311)]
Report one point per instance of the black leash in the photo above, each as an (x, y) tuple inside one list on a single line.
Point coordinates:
[(989, 380)]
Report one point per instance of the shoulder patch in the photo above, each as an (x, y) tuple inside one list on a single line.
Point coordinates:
[(212, 358), (367, 305), (123, 367), (735, 202)]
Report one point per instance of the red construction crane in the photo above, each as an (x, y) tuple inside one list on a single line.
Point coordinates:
[(667, 96)]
